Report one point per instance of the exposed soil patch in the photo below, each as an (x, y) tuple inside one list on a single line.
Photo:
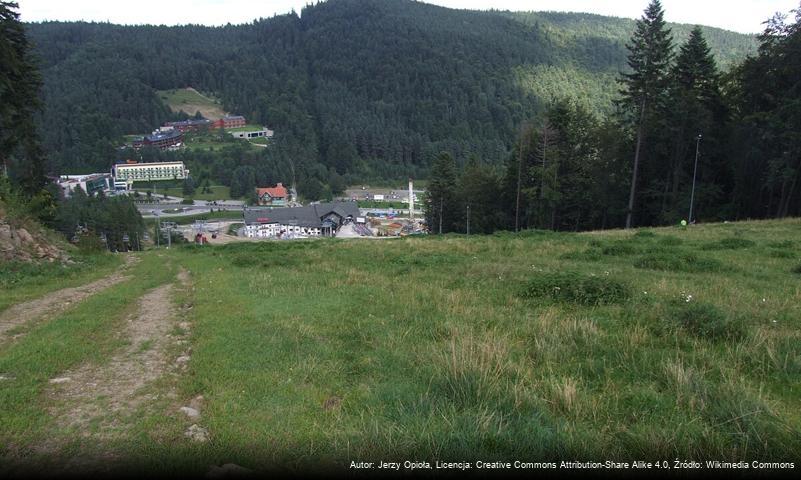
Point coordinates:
[(100, 402), (56, 302), (97, 390)]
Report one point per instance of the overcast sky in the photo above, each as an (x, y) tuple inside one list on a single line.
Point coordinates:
[(739, 15)]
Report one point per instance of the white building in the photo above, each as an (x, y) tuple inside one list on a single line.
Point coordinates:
[(143, 172), (322, 219), (264, 132), (90, 184)]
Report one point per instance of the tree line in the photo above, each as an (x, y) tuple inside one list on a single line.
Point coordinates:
[(685, 142), (356, 90)]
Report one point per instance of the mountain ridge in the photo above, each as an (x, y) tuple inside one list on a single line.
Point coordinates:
[(360, 88)]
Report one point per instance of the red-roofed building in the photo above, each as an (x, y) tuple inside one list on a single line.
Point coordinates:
[(233, 121), (275, 196)]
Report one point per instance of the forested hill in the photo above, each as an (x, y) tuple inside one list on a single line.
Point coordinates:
[(363, 88)]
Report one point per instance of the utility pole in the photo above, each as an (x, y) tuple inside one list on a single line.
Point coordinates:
[(440, 214), (695, 170), (468, 219)]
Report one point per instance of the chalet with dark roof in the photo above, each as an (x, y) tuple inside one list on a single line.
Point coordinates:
[(323, 219)]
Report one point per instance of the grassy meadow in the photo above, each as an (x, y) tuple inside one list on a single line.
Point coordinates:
[(22, 281), (191, 101), (649, 344)]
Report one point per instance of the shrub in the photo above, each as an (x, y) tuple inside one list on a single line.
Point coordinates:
[(589, 255), (670, 240), (571, 287), (781, 253), (90, 243), (704, 320), (732, 243), (678, 262), (782, 244), (619, 249), (797, 269)]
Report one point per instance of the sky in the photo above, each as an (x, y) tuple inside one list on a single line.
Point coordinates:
[(744, 16)]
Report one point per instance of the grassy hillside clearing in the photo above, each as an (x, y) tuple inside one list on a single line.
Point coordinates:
[(652, 344), (191, 101)]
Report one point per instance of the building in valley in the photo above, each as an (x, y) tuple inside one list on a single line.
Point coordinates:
[(190, 125), (164, 137), (143, 172), (263, 132), (231, 121), (320, 220), (92, 184), (276, 196)]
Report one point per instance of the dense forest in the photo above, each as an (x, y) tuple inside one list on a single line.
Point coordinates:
[(685, 142), (356, 90), (519, 120)]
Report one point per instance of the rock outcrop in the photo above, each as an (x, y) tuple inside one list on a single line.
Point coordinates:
[(18, 243)]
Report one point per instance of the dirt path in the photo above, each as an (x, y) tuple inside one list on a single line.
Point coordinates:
[(98, 402), (58, 301)]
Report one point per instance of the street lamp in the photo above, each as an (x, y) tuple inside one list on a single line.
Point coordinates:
[(695, 170)]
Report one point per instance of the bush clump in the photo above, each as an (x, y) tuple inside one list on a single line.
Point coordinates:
[(670, 240), (797, 269), (732, 243), (571, 287), (588, 255), (678, 262), (619, 249), (781, 253), (705, 320)]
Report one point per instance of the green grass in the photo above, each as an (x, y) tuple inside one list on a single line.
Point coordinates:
[(449, 360), (22, 281), (217, 214), (181, 99), (313, 353), (83, 333), (377, 204), (246, 128), (218, 192)]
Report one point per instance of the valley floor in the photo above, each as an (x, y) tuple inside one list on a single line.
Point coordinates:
[(651, 345)]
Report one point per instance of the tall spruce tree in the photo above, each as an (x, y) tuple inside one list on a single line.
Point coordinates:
[(696, 109), (767, 144), (441, 205), (650, 53), (20, 153)]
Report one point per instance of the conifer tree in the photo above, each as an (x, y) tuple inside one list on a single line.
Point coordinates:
[(650, 52), (441, 205), (696, 109), (20, 154)]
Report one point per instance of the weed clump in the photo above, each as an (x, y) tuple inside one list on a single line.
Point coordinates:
[(781, 253), (678, 262), (705, 320), (670, 240), (732, 243), (571, 287), (589, 255), (619, 249)]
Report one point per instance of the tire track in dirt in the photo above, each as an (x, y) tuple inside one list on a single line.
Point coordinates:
[(58, 301), (99, 402)]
